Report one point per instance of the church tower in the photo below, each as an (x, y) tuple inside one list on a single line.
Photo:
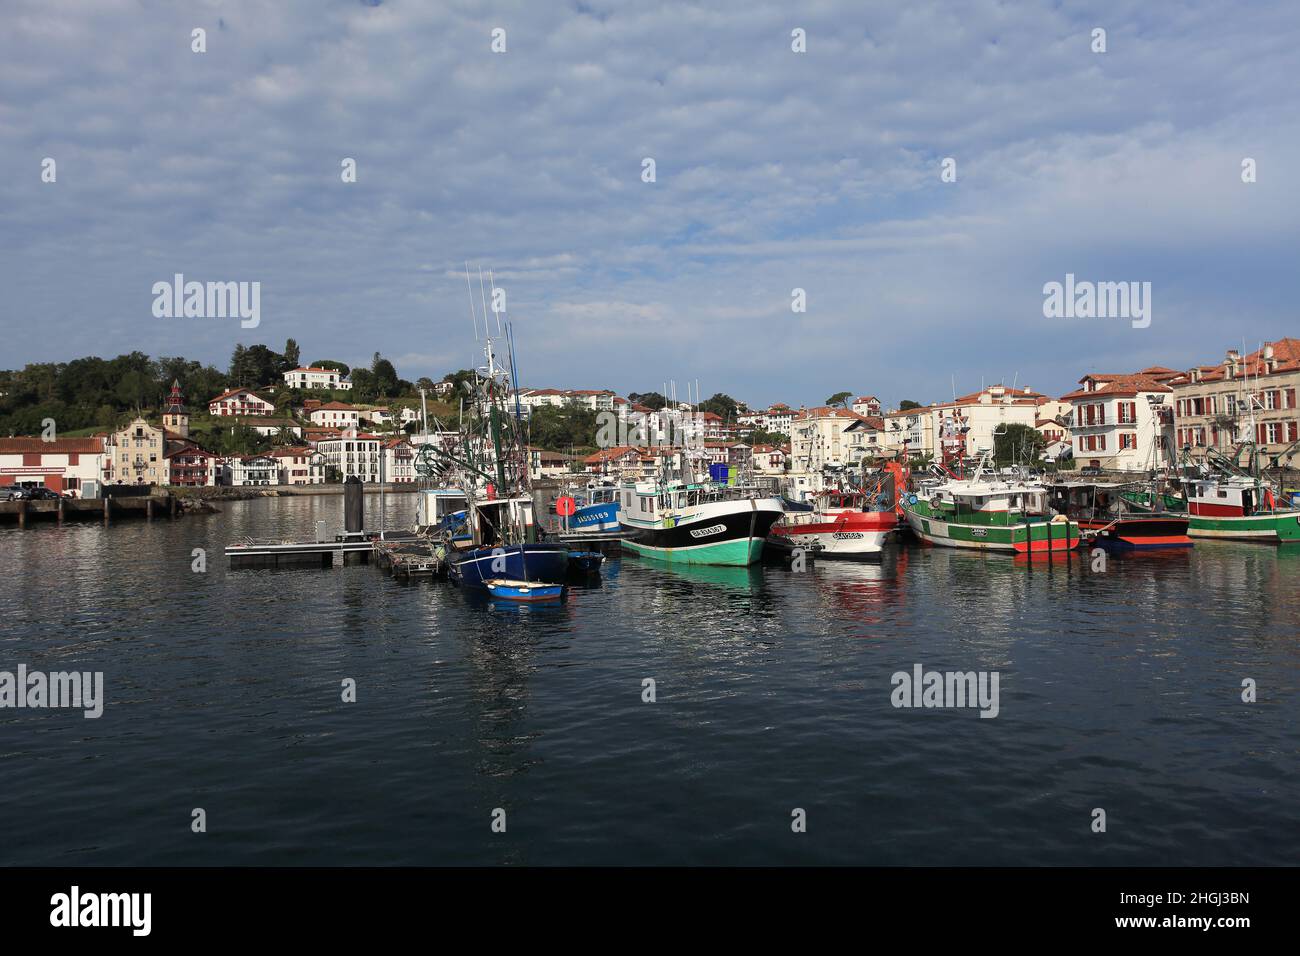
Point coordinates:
[(175, 417)]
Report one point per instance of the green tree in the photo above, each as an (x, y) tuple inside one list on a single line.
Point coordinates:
[(651, 400), (839, 399), (291, 355), (1019, 444), (907, 405)]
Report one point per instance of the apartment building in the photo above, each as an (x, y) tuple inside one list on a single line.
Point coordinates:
[(190, 466), (245, 470), (353, 454), (335, 415), (1244, 397)]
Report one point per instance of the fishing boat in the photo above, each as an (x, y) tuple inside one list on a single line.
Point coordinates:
[(512, 590), (1239, 508), (1226, 497), (846, 523), (988, 513), (696, 523), (1106, 517), (596, 509), (499, 537)]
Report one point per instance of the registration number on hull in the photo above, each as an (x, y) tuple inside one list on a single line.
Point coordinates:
[(709, 531)]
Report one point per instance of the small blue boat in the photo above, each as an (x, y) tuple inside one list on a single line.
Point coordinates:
[(585, 562), (531, 591), (543, 563)]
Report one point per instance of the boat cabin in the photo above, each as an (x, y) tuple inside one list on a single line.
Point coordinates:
[(501, 521), (435, 505), (1227, 497), (991, 504)]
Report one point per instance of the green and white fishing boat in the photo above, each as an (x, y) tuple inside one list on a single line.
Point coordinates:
[(1226, 498), (696, 523), (988, 513)]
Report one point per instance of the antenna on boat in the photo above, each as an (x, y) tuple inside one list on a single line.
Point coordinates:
[(473, 316)]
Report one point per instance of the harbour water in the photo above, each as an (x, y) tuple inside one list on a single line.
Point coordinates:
[(1119, 689)]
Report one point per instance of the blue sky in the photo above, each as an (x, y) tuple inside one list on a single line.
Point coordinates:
[(775, 170)]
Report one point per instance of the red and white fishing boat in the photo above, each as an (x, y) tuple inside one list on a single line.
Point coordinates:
[(841, 524)]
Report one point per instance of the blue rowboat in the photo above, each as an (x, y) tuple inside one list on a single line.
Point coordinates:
[(523, 590)]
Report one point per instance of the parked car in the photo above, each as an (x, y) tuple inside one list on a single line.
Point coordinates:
[(40, 494), (1090, 471), (14, 493)]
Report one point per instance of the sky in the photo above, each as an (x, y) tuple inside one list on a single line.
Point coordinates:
[(774, 170)]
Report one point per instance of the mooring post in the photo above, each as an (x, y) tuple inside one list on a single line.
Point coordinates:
[(354, 514)]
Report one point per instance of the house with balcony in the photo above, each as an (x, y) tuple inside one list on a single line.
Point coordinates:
[(137, 455), (189, 466), (1120, 422)]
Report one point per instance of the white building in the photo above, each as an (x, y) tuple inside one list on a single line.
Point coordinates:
[(866, 439), (335, 415), (820, 441), (1115, 422), (867, 405), (242, 470), (769, 459), (911, 430), (62, 464), (296, 466), (547, 464), (974, 421), (311, 377), (268, 427), (399, 462), (353, 454), (241, 401)]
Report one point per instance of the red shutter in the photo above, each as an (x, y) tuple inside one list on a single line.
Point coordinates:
[(74, 458), (1290, 398), (1261, 434), (31, 459)]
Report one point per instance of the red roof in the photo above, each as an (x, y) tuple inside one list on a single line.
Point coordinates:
[(1286, 358), (1111, 386), (340, 406)]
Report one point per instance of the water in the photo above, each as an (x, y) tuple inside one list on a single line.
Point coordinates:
[(1119, 690)]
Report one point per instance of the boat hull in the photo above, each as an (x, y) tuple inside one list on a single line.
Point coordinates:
[(720, 533), (1140, 533), (1030, 537), (520, 562), (530, 592), (847, 535), (592, 518), (1278, 527)]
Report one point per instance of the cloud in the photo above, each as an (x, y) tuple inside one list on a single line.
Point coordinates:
[(775, 170)]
